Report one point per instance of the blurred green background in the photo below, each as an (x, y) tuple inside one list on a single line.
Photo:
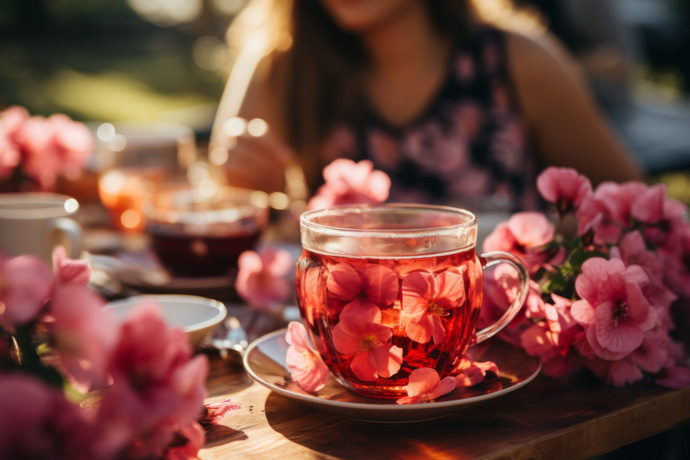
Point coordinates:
[(111, 60)]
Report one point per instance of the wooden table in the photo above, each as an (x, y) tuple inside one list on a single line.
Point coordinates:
[(574, 418)]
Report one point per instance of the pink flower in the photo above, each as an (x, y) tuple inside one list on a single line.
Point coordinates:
[(11, 120), (40, 157), (428, 298), (215, 413), (262, 278), (613, 309), (524, 235), (306, 367), (674, 377), (425, 385), (38, 422), (551, 340), (469, 373), (73, 142), (622, 372), (52, 147), (348, 182), (158, 387), (360, 334), (70, 271), (190, 438), (538, 340), (653, 354), (676, 270), (633, 251), (25, 284), (377, 285), (612, 207), (564, 187), (649, 206), (83, 335)]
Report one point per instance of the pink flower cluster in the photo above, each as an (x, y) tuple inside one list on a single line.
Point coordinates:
[(601, 299), (347, 182), (151, 387), (35, 151)]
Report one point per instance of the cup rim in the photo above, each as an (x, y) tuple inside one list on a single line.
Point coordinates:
[(306, 216), (163, 299), (54, 205)]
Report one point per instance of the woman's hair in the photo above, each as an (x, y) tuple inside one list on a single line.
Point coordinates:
[(318, 66)]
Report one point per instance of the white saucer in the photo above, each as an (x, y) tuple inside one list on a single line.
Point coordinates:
[(264, 361)]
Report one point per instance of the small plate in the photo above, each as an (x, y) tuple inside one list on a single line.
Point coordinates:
[(197, 316), (264, 360), (141, 270)]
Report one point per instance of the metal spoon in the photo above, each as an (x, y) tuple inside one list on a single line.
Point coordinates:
[(235, 339)]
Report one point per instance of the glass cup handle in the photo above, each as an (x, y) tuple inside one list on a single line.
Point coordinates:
[(494, 258)]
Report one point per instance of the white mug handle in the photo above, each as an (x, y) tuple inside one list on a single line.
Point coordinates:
[(72, 232), (499, 257)]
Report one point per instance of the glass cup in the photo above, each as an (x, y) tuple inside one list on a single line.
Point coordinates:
[(200, 233), (387, 289)]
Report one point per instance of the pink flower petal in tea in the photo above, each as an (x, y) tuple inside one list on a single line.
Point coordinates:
[(386, 359), (306, 367), (381, 285), (377, 283), (359, 332), (428, 298), (344, 282), (359, 328), (425, 385), (70, 271), (420, 328), (363, 368)]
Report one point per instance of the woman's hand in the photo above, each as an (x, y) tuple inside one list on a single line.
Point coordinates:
[(251, 156)]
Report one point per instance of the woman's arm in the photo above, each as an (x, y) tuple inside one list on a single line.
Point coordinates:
[(561, 115), (256, 162)]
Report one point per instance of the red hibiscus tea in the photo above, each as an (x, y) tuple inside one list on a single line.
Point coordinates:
[(211, 252), (196, 236), (386, 290)]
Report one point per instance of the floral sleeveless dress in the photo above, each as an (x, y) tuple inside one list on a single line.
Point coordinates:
[(468, 148)]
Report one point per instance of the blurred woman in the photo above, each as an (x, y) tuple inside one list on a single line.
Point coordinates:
[(455, 110)]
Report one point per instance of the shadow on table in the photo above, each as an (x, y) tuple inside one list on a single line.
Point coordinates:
[(217, 435), (340, 437), (560, 422)]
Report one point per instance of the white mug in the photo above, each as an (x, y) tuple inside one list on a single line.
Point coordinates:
[(34, 223)]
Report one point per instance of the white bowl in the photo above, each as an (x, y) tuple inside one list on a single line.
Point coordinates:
[(197, 316)]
